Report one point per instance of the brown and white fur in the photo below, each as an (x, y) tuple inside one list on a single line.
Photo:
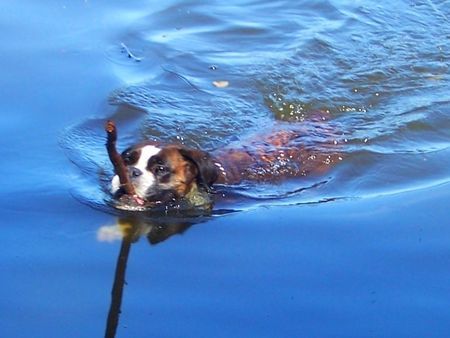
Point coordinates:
[(167, 173)]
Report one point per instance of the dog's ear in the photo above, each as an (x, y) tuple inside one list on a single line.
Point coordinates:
[(206, 170)]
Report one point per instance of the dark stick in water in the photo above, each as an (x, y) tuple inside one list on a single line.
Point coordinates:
[(117, 161), (117, 290)]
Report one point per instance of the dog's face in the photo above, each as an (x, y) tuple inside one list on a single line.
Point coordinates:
[(161, 174)]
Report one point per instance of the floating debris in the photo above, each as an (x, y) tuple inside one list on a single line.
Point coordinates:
[(221, 84), (129, 53)]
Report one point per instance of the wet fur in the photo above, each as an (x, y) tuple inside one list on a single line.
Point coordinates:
[(173, 172)]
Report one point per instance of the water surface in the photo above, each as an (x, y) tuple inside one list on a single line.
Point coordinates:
[(371, 261)]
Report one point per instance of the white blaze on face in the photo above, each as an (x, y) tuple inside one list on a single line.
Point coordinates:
[(145, 181)]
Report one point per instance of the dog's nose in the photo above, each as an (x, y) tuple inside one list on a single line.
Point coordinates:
[(135, 172)]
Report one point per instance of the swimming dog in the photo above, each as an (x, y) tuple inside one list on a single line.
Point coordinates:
[(162, 173)]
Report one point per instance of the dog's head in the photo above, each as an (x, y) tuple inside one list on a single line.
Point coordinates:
[(163, 174)]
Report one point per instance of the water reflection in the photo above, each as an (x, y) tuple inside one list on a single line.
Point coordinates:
[(157, 230), (129, 229)]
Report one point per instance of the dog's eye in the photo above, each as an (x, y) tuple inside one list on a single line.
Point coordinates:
[(157, 166), (130, 157), (160, 169)]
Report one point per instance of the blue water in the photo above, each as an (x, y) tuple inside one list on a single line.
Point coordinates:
[(359, 251)]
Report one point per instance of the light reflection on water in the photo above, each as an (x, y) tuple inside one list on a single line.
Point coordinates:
[(339, 268), (382, 75)]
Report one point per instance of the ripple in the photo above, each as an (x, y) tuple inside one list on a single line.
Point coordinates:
[(381, 75)]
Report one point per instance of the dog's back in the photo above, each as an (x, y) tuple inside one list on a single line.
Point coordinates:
[(294, 150)]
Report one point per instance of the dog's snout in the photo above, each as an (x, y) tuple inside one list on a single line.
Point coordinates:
[(135, 172)]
